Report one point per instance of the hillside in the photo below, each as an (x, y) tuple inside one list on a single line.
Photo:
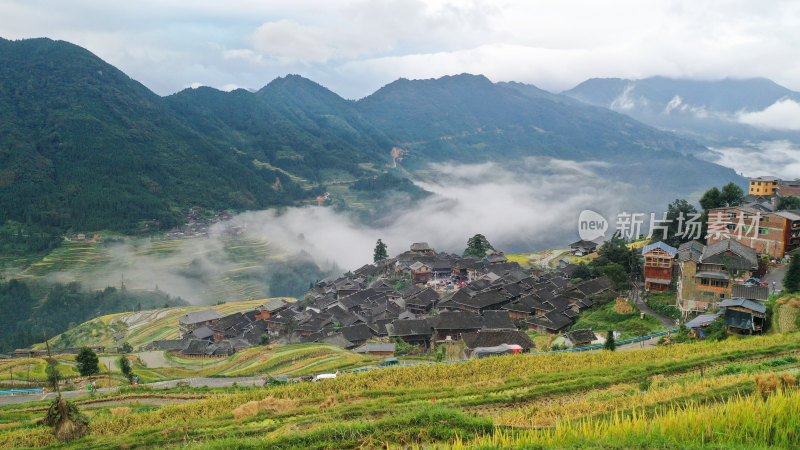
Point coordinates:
[(83, 147), (709, 111), (699, 395)]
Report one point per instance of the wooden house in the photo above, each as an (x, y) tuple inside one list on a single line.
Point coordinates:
[(744, 316), (413, 331), (705, 273), (658, 261), (197, 319), (420, 273), (271, 308), (582, 248), (377, 349)]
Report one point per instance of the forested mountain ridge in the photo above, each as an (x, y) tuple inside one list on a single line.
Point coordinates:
[(85, 147)]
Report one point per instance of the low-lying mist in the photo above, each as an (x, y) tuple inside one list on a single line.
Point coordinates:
[(531, 206), (767, 158)]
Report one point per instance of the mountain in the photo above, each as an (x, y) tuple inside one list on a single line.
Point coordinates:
[(467, 118), (292, 124), (84, 147), (714, 112)]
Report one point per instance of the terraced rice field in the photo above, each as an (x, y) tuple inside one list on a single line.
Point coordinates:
[(678, 396)]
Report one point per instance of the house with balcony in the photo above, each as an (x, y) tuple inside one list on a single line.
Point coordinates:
[(708, 273), (658, 261)]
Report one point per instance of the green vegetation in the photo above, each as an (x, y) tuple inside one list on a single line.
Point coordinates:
[(605, 317), (788, 202), (664, 303), (380, 252), (25, 320), (125, 367), (478, 245), (610, 344), (87, 362), (791, 280)]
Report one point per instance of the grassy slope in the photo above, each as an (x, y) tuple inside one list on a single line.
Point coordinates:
[(604, 318), (525, 393), (143, 327)]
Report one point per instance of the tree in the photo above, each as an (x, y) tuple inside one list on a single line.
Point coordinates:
[(732, 194), (582, 271), (788, 202), (477, 246), (610, 344), (125, 368), (87, 362), (288, 325), (674, 211), (264, 339), (791, 280), (711, 199), (380, 252), (616, 251), (126, 347)]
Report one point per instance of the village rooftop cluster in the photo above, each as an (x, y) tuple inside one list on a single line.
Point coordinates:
[(420, 297)]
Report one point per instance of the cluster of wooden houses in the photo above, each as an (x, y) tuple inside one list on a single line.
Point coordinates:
[(484, 301), (707, 278)]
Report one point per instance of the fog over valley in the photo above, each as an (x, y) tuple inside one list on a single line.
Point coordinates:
[(528, 207)]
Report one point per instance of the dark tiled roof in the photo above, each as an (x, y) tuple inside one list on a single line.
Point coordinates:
[(497, 320), (552, 321), (760, 293), (200, 316), (273, 305), (744, 303), (486, 338), (196, 347), (486, 299), (583, 336), (338, 340), (457, 320), (717, 253), (357, 333), (171, 344), (595, 286), (411, 327), (203, 332), (376, 347)]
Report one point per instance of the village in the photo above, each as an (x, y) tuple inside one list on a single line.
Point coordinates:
[(426, 298)]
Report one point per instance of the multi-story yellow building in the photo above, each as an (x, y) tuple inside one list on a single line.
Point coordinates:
[(764, 186)]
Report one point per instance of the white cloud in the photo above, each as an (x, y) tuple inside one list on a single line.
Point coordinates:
[(774, 158), (531, 207), (626, 102), (676, 104), (355, 46), (782, 115)]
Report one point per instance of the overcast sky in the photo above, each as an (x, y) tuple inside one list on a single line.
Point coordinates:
[(356, 46)]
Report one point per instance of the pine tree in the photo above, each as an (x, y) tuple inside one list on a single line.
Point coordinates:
[(380, 252), (791, 281), (87, 362), (478, 245), (610, 344)]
